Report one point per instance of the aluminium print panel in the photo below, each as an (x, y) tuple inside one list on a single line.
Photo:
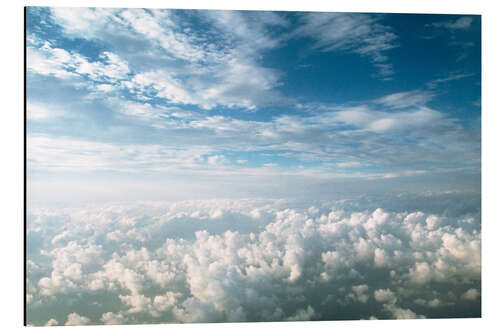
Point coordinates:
[(227, 166)]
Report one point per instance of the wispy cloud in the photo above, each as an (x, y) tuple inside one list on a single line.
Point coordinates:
[(37, 111), (405, 99), (461, 23), (223, 70), (83, 22), (452, 77), (354, 33), (77, 155)]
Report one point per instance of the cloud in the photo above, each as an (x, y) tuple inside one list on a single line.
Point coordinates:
[(48, 64), (192, 67), (405, 99), (85, 22), (452, 77), (380, 121), (354, 33), (302, 315), (216, 159), (471, 295), (251, 30), (253, 260), (390, 300), (74, 319), (384, 296), (110, 318), (346, 133), (52, 322), (461, 23), (44, 59), (37, 111), (67, 154), (360, 293), (157, 26)]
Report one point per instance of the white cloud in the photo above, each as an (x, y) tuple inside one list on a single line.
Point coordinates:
[(111, 68), (66, 154), (110, 318), (165, 85), (234, 260), (52, 322), (86, 22), (44, 59), (302, 315), (380, 122), (136, 303), (461, 23), (352, 164), (74, 319), (452, 77), (42, 63), (405, 99), (251, 29), (37, 111), (390, 300), (471, 294), (196, 69), (157, 26), (400, 313), (384, 296), (360, 292), (354, 33), (216, 159)]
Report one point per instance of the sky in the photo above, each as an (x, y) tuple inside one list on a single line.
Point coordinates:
[(182, 104), (226, 166)]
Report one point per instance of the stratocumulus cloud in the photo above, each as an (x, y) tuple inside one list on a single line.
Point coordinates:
[(251, 260)]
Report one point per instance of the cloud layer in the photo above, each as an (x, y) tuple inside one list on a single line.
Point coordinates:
[(252, 260)]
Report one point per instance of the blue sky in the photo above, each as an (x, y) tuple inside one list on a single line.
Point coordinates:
[(155, 104)]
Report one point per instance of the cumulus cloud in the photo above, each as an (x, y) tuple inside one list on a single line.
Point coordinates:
[(74, 319), (390, 299), (252, 260), (110, 318), (385, 296), (471, 294), (52, 322)]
